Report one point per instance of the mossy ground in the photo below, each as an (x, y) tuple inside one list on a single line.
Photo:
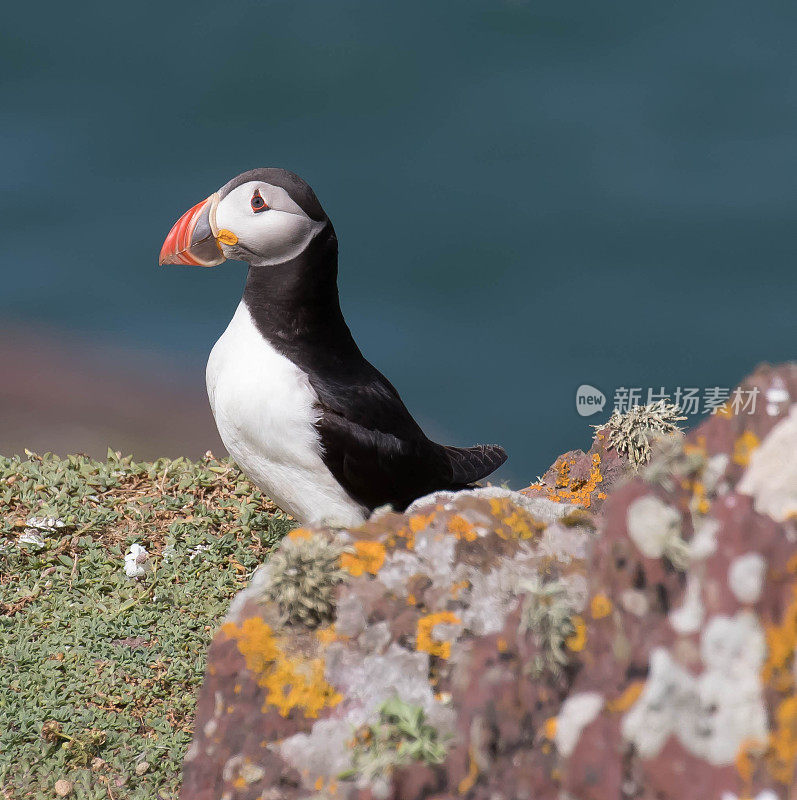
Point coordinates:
[(107, 665)]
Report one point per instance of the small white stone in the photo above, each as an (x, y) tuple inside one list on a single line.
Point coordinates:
[(195, 551), (31, 536), (136, 559), (746, 577)]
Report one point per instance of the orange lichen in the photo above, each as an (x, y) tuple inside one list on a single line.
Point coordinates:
[(700, 502), (498, 506), (299, 534), (568, 489), (291, 682), (408, 536), (326, 635), (782, 752), (600, 606), (750, 750), (523, 525), (501, 644), (461, 528), (520, 523), (627, 698), (549, 728), (420, 521), (367, 557), (457, 587), (743, 448), (781, 642), (423, 637), (698, 449), (578, 639), (466, 784)]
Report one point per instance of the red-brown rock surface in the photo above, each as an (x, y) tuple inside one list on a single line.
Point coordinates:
[(499, 646)]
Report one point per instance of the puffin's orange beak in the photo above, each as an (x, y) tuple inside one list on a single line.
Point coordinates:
[(192, 239)]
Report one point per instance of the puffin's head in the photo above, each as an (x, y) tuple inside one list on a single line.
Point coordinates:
[(264, 217)]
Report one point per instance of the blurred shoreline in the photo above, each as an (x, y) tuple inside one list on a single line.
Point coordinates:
[(68, 394)]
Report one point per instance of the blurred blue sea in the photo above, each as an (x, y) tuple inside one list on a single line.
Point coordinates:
[(528, 195)]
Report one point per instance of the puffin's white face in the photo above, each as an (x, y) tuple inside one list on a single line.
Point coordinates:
[(255, 222), (263, 220)]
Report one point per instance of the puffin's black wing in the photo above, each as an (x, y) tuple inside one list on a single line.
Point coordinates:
[(380, 455)]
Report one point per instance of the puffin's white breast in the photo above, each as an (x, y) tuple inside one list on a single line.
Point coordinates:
[(266, 410)]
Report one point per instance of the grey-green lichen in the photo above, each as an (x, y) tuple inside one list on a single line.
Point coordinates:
[(632, 434), (547, 612), (303, 574), (400, 736), (669, 463)]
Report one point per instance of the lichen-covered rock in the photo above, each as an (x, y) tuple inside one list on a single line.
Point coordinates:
[(446, 656), (692, 623), (582, 479), (495, 645)]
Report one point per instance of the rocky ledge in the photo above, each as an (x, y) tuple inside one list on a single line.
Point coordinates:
[(620, 629)]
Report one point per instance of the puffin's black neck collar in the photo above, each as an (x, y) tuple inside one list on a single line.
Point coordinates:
[(296, 302)]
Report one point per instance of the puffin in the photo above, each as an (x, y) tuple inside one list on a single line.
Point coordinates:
[(301, 411)]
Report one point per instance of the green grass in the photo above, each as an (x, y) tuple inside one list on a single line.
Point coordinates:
[(99, 672)]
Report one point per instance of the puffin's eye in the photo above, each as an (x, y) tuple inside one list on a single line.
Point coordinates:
[(258, 203)]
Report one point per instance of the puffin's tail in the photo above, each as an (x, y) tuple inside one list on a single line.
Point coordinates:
[(471, 464)]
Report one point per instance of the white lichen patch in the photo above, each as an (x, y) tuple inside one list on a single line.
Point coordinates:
[(666, 700), (563, 543), (771, 477), (369, 680), (575, 714), (746, 577), (711, 714), (541, 508), (689, 617), (435, 551), (766, 794), (714, 472), (351, 618), (398, 568), (321, 753), (492, 595), (635, 602), (239, 767), (655, 528), (704, 541)]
